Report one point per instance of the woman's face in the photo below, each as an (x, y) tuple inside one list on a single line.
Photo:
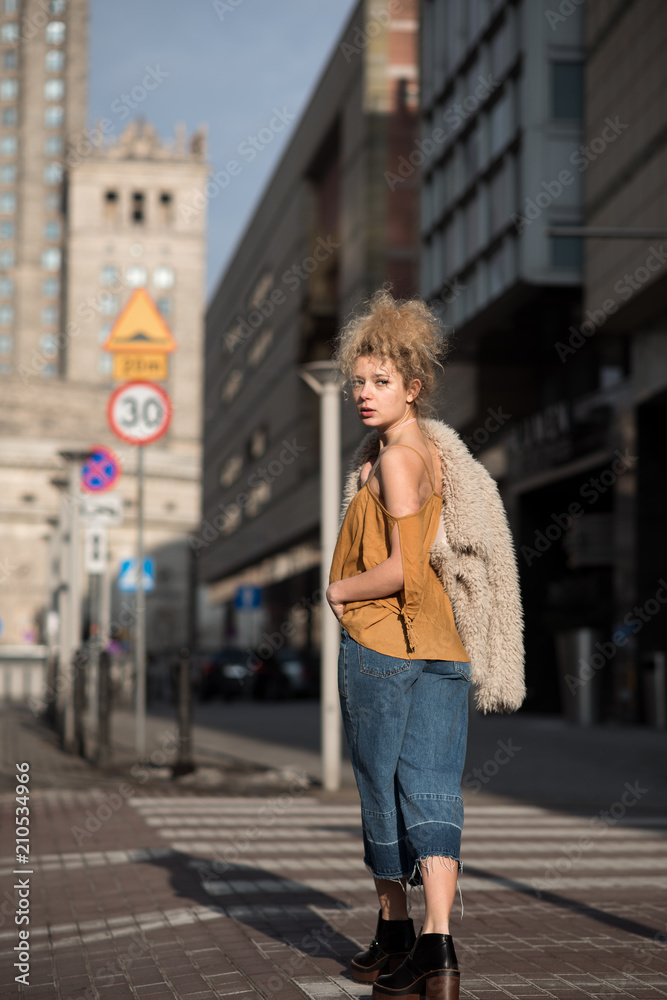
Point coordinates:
[(379, 394)]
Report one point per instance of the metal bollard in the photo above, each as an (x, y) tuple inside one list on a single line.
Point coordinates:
[(80, 665), (184, 763), (104, 710)]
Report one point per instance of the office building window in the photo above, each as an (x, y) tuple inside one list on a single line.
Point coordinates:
[(52, 230), (55, 61), (53, 116), (8, 173), (54, 90), (57, 6), (50, 288), (109, 275), (164, 306), (6, 343), (9, 89), (136, 275), (55, 32), (7, 203), (6, 315), (163, 276), (53, 145), (231, 386), (138, 200), (567, 90), (10, 6), (6, 287), (9, 117), (53, 173), (566, 252), (9, 32), (50, 316), (8, 145), (6, 230), (51, 259), (7, 259), (104, 331), (10, 59), (260, 347)]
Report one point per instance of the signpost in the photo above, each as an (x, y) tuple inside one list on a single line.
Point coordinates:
[(139, 412), (100, 470), (140, 340)]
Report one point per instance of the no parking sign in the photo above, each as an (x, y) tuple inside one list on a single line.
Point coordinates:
[(100, 470)]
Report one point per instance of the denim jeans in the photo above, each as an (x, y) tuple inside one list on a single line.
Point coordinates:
[(406, 723)]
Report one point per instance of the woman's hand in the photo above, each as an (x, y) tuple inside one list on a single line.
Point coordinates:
[(336, 606)]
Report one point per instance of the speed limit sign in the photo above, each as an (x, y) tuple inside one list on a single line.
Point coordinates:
[(139, 412)]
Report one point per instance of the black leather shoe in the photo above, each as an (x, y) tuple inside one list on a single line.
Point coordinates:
[(393, 940), (430, 971)]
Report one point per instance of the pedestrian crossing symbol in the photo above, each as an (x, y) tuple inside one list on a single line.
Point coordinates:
[(127, 576)]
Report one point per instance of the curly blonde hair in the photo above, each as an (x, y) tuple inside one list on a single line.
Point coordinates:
[(404, 331)]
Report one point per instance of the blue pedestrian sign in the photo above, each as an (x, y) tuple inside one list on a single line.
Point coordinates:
[(248, 598), (127, 576)]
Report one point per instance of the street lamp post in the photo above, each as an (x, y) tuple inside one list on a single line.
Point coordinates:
[(71, 626), (322, 377)]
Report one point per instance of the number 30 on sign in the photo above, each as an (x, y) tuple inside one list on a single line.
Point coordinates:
[(139, 412)]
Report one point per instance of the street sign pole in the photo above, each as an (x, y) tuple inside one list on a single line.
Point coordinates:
[(140, 630)]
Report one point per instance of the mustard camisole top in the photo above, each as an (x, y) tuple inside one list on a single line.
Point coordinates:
[(418, 622)]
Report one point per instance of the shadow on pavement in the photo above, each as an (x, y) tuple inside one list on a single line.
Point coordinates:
[(249, 894)]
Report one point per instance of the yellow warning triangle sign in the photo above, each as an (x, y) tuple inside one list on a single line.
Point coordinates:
[(140, 328)]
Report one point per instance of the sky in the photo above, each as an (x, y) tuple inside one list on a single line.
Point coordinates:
[(226, 63)]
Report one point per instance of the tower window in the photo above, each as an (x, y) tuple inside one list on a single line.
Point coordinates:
[(138, 207), (55, 32), (166, 202), (111, 206)]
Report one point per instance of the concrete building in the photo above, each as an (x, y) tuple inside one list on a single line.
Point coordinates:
[(625, 312), (328, 230), (528, 115), (95, 213)]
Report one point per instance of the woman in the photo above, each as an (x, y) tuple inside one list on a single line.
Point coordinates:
[(424, 583)]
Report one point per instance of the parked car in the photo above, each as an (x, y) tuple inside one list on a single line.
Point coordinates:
[(226, 674), (233, 673)]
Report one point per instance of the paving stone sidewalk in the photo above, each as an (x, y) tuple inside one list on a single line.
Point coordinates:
[(151, 889)]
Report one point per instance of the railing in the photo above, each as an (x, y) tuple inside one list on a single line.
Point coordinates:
[(22, 672)]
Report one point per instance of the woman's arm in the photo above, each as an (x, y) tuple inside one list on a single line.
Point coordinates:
[(398, 475)]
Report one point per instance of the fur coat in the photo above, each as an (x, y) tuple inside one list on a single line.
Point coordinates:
[(474, 557)]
